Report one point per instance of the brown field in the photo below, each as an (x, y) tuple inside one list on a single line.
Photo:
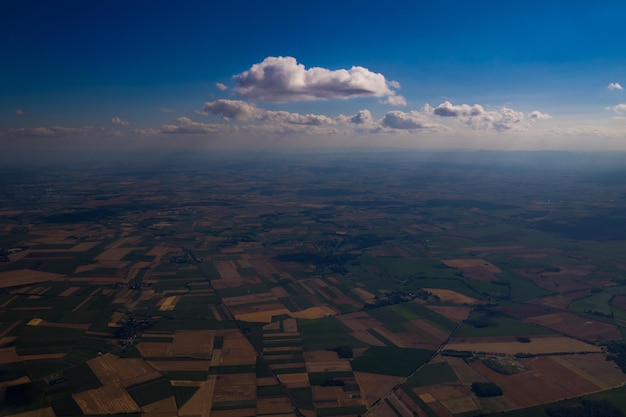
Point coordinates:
[(359, 321), (42, 356), (83, 246), (619, 301), (154, 349), (367, 337), (562, 301), (249, 299), (547, 382), (180, 365), (166, 405), (314, 312), (455, 398), (327, 393), (456, 314), (110, 369), (437, 335), (114, 254), (450, 296), (193, 343), (227, 270), (415, 410), (26, 277), (382, 409), (274, 405), (201, 402), (42, 412), (234, 283), (256, 308), (109, 399), (294, 380), (472, 263), (594, 368), (237, 350), (374, 386), (290, 325), (239, 412), (531, 255), (68, 291), (366, 296), (79, 326), (8, 355), (554, 344), (320, 356), (563, 281), (235, 387), (329, 366), (465, 373), (280, 292), (160, 251), (573, 325), (403, 339), (263, 316)]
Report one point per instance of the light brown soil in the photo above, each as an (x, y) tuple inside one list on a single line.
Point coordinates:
[(374, 386), (573, 325)]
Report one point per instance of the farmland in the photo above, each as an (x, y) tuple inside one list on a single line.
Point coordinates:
[(307, 287)]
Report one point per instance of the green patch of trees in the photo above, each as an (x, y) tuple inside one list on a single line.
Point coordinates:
[(486, 389)]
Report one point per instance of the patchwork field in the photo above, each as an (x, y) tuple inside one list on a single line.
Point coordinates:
[(316, 288)]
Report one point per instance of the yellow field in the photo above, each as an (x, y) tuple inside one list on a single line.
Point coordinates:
[(314, 312), (538, 345), (471, 263), (594, 368), (193, 343), (114, 253), (294, 380), (109, 399), (200, 403), (169, 303), (26, 277), (450, 296), (8, 355), (42, 412)]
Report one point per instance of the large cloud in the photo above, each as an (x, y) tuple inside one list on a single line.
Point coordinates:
[(407, 120), (185, 125), (447, 109), (619, 109), (283, 79), (476, 117), (240, 110)]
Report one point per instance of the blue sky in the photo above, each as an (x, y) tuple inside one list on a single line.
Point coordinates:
[(456, 74)]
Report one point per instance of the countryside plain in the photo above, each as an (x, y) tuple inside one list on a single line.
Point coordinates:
[(377, 284)]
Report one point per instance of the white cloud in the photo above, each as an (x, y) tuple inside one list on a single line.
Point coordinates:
[(119, 122), (232, 109), (185, 125), (537, 115), (476, 117), (407, 120), (447, 109), (615, 86), (394, 101), (52, 131), (619, 109), (362, 117), (221, 86), (20, 112), (240, 110), (283, 79)]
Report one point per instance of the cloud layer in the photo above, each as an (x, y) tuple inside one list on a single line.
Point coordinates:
[(283, 79)]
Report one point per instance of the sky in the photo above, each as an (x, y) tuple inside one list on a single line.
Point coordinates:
[(299, 74)]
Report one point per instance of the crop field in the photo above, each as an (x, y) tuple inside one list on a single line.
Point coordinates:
[(241, 284)]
